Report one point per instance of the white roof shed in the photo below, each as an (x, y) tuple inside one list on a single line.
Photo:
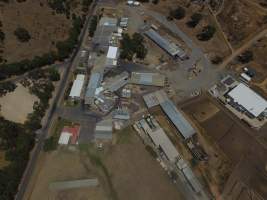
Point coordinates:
[(77, 86), (112, 52), (249, 99)]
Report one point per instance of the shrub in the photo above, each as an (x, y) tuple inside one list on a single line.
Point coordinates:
[(22, 34), (178, 13), (207, 33)]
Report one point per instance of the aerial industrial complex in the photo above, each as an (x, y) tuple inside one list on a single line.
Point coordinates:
[(157, 100)]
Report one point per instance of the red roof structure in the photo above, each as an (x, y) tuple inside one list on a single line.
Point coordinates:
[(74, 131)]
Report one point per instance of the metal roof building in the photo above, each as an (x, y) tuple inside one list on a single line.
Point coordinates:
[(145, 78), (160, 98), (169, 47), (160, 139), (103, 130), (108, 21), (155, 98), (94, 82), (112, 56), (77, 86), (117, 82), (103, 33), (178, 119), (248, 99)]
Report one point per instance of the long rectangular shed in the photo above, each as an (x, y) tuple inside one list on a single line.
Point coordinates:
[(160, 139), (94, 82), (166, 45), (177, 119), (77, 86), (147, 78), (160, 98)]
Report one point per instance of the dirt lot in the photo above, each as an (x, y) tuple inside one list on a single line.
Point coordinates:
[(64, 165), (215, 46), (235, 141), (15, 106), (125, 170), (240, 20), (44, 26), (135, 174)]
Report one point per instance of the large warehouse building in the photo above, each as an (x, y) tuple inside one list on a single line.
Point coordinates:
[(180, 122), (248, 99), (170, 47)]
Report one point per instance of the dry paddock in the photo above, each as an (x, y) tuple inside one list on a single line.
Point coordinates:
[(133, 174), (237, 141)]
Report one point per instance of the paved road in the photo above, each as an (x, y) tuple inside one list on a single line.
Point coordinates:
[(50, 116)]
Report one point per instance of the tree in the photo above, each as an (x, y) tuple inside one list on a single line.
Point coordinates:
[(207, 33), (54, 74), (178, 13), (195, 19), (22, 34), (2, 36), (93, 25), (245, 57), (131, 46)]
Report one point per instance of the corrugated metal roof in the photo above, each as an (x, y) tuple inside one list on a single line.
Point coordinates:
[(146, 78), (103, 130), (160, 139), (171, 48), (63, 185), (117, 82), (94, 82), (177, 119), (77, 86), (108, 21), (112, 52)]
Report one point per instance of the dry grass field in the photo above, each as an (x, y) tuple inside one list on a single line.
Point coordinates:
[(126, 170), (240, 20), (44, 26), (235, 141), (15, 106)]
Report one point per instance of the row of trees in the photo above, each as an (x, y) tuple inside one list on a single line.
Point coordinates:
[(64, 49), (207, 32), (93, 25), (133, 46)]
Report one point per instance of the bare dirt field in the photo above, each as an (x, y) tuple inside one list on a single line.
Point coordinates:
[(215, 46), (135, 174), (15, 106), (63, 165), (126, 170), (44, 26), (236, 142), (240, 20)]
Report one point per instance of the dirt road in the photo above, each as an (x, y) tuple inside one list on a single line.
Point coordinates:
[(243, 48)]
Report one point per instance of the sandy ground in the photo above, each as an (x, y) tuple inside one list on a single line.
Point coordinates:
[(15, 106)]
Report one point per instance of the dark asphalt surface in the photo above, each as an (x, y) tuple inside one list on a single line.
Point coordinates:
[(42, 134)]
